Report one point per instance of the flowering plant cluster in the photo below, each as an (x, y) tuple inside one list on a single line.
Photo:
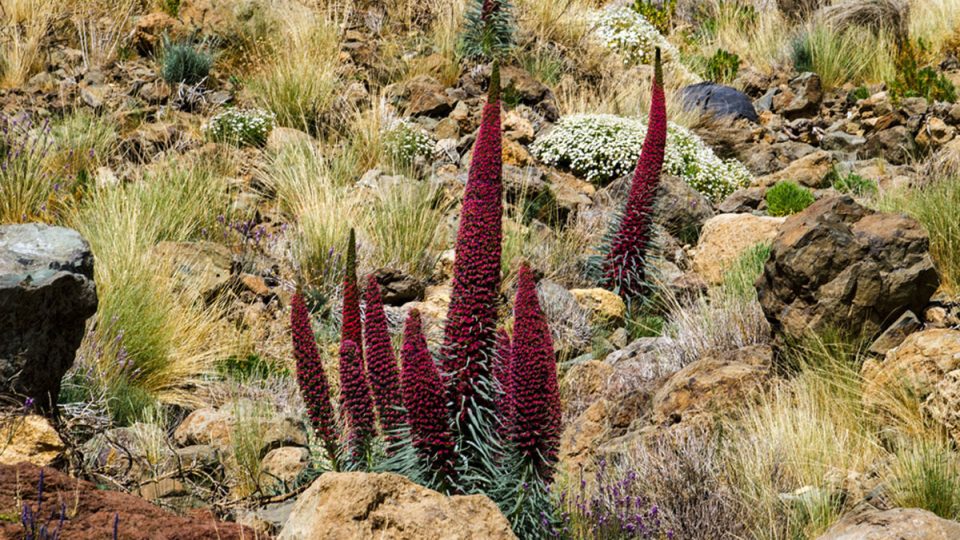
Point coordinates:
[(243, 127), (405, 142), (628, 33), (601, 147)]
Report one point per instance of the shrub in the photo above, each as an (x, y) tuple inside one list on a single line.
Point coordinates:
[(625, 255), (404, 142), (185, 62), (601, 147), (911, 80), (722, 66), (659, 14), (787, 198), (242, 127), (854, 184), (488, 30), (860, 92), (629, 34)]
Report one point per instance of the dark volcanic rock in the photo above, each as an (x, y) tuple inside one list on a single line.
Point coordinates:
[(720, 100), (46, 295)]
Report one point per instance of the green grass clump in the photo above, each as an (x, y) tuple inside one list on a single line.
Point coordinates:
[(738, 280), (722, 67), (854, 184), (185, 62), (926, 474), (937, 207), (787, 198)]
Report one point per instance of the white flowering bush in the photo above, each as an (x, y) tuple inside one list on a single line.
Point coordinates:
[(628, 33), (601, 147), (405, 141), (243, 127)]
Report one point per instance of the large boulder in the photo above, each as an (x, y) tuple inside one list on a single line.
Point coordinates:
[(718, 100), (726, 237), (28, 438), (895, 524), (356, 506), (46, 295), (838, 265)]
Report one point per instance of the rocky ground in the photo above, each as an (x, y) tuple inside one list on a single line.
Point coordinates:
[(794, 373)]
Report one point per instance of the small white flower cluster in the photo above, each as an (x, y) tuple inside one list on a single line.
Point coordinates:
[(628, 33), (602, 147), (243, 127), (405, 141)]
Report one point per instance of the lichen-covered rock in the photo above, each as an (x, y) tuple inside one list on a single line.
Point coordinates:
[(838, 265), (46, 295), (895, 524), (943, 405), (605, 306), (28, 438), (726, 237), (357, 506), (915, 367)]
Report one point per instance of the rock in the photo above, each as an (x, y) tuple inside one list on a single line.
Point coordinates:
[(202, 266), (934, 133), (423, 95), (150, 29), (840, 265), (515, 154), (915, 367), (605, 306), (581, 438), (47, 293), (809, 171), (711, 385), (637, 351), (725, 237), (524, 183), (398, 288), (893, 336), (28, 438), (801, 97), (766, 158), (94, 95), (284, 137), (895, 524), (517, 128), (681, 210), (205, 426), (570, 325), (585, 381), (943, 405), (283, 465), (448, 128), (358, 506), (742, 201), (283, 431), (895, 144), (840, 141), (92, 511), (718, 100)]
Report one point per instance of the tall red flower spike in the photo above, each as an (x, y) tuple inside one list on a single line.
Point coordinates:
[(381, 361), (472, 317), (355, 395), (424, 400), (351, 327), (535, 411), (310, 376), (623, 266)]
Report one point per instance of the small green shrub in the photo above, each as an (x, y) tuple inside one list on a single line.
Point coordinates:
[(787, 198), (242, 127), (185, 62), (722, 66), (659, 14), (860, 92), (170, 7), (914, 81), (854, 184)]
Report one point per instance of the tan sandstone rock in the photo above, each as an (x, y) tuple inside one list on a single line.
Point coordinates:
[(896, 524), (359, 506), (725, 237), (28, 438), (604, 305)]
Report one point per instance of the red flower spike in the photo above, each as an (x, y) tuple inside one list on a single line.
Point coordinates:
[(351, 327), (356, 399), (310, 376), (424, 400), (623, 266), (470, 332), (534, 393), (501, 372), (381, 362)]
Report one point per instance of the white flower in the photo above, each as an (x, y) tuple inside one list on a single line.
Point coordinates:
[(628, 33), (240, 126), (405, 141), (602, 147)]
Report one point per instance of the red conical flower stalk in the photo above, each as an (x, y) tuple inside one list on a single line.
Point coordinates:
[(381, 361), (535, 411), (356, 399), (424, 400), (470, 332), (311, 378), (623, 268), (351, 327)]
